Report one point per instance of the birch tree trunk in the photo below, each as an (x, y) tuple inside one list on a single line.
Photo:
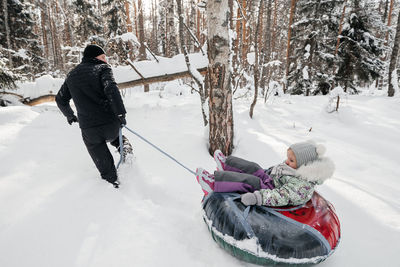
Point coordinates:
[(393, 58), (10, 63), (219, 77), (172, 44)]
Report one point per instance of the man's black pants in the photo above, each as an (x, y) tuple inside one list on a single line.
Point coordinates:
[(95, 139)]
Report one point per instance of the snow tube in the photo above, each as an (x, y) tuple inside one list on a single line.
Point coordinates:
[(305, 234)]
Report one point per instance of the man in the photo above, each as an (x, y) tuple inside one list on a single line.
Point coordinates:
[(100, 109)]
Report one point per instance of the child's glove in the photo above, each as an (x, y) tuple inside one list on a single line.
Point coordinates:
[(282, 169), (249, 199)]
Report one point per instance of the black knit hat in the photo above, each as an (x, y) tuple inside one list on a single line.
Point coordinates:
[(93, 51)]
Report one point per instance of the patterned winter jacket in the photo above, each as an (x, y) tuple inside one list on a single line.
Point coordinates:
[(298, 188)]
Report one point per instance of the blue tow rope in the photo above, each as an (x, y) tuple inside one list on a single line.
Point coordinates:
[(144, 139)]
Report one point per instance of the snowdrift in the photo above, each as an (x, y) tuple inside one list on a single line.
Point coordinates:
[(306, 234)]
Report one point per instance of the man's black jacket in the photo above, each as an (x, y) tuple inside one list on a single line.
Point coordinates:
[(96, 96)]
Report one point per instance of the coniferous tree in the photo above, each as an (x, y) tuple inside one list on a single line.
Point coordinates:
[(314, 40), (88, 22), (115, 17), (359, 51), (119, 46), (7, 78), (22, 44)]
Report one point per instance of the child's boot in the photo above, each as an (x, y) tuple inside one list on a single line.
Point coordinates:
[(220, 159), (206, 180)]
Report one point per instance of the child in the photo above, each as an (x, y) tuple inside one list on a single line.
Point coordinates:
[(288, 183)]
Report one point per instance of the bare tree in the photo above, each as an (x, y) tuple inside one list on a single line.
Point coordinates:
[(219, 77)]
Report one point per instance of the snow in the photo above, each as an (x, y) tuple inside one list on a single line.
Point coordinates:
[(150, 68), (43, 85), (56, 211), (251, 58), (395, 81), (305, 73), (307, 49), (22, 53), (129, 36)]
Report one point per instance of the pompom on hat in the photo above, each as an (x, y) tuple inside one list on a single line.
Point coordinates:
[(306, 152), (92, 51)]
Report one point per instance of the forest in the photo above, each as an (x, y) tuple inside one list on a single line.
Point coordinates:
[(265, 46), (189, 78), (305, 47)]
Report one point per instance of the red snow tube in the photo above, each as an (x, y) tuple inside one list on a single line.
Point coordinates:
[(305, 234)]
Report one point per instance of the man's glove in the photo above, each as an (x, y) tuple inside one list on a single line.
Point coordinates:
[(249, 199), (72, 119), (122, 119)]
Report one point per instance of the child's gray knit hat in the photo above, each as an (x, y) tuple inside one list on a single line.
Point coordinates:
[(307, 152)]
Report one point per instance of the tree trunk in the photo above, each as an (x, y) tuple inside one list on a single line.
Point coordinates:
[(199, 83), (340, 27), (10, 63), (154, 41), (172, 45), (128, 17), (393, 58), (386, 10), (220, 99), (142, 48), (51, 36), (389, 20), (136, 18), (198, 22), (266, 57), (68, 28), (235, 49), (256, 65), (244, 32), (337, 47), (192, 24), (292, 7), (43, 12)]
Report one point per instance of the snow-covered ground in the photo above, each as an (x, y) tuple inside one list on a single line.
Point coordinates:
[(55, 211)]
